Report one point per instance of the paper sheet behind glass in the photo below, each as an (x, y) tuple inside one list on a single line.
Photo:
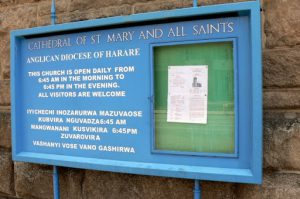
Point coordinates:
[(187, 94)]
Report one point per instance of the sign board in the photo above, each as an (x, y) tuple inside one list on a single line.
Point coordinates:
[(139, 94)]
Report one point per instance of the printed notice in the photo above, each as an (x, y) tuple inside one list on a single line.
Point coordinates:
[(187, 94)]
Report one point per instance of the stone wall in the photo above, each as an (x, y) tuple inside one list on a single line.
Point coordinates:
[(281, 67)]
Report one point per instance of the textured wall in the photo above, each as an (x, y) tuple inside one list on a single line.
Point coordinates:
[(281, 66)]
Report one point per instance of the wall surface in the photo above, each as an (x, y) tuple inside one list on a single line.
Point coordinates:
[(281, 67)]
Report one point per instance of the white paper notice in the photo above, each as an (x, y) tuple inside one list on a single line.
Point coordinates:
[(187, 94)]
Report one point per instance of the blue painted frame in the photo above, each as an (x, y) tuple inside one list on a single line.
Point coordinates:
[(236, 98), (251, 174)]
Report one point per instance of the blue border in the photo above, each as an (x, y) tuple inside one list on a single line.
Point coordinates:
[(245, 175), (236, 100)]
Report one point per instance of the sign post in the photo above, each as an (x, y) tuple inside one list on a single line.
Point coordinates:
[(56, 192)]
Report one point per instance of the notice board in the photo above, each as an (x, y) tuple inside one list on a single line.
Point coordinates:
[(141, 94)]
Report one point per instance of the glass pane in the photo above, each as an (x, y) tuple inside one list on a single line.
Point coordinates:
[(217, 136)]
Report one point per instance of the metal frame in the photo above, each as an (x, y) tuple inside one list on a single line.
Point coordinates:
[(247, 175)]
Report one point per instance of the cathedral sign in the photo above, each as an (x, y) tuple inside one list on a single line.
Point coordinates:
[(142, 94)]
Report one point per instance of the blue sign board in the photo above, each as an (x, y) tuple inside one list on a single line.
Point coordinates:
[(82, 93)]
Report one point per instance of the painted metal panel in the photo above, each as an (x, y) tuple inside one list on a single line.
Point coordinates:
[(48, 107)]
